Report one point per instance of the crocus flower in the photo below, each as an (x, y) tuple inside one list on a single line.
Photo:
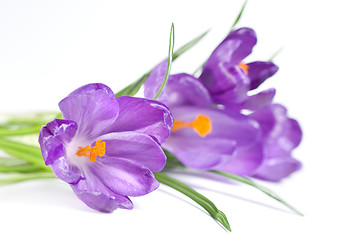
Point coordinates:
[(280, 136), (206, 136), (203, 136), (229, 78), (106, 148)]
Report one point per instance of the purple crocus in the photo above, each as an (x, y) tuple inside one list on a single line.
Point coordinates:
[(203, 136), (207, 136), (280, 136), (229, 79), (107, 148)]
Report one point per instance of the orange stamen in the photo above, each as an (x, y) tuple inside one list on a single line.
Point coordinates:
[(93, 152), (244, 67), (202, 125)]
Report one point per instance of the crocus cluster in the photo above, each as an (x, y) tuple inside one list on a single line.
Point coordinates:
[(210, 130), (107, 148)]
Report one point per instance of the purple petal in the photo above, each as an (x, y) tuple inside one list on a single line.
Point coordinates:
[(236, 95), (245, 160), (258, 100), (124, 177), (200, 153), (258, 72), (274, 169), (240, 128), (91, 88), (92, 107), (52, 139), (154, 81), (102, 202), (281, 134), (217, 147), (53, 136), (138, 148), (184, 89), (234, 48), (65, 171), (143, 116)]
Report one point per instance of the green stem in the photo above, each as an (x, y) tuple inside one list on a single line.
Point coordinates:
[(30, 154), (25, 177), (20, 131), (169, 62), (261, 188), (195, 196), (239, 15)]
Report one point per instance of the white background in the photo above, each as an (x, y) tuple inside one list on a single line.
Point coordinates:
[(49, 48)]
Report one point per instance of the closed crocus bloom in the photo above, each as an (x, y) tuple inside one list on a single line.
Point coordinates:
[(229, 78), (106, 148), (281, 135), (203, 136)]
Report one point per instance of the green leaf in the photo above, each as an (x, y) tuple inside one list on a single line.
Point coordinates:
[(275, 54), (134, 87), (25, 177), (22, 168), (20, 130), (239, 15), (169, 62), (31, 154), (261, 188), (195, 196), (171, 161), (188, 46)]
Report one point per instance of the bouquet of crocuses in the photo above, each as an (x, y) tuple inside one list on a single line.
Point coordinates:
[(109, 147)]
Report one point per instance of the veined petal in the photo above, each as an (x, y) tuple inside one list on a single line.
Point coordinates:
[(138, 148), (92, 107), (200, 153), (143, 116), (53, 136), (258, 72), (258, 100), (245, 161), (238, 127), (234, 48), (274, 169), (91, 88), (226, 82), (218, 146), (124, 177), (102, 202), (281, 134), (184, 89), (154, 81)]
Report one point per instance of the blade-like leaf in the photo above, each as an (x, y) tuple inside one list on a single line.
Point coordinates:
[(276, 54), (169, 62), (188, 46), (24, 177), (261, 188), (20, 131), (31, 154), (134, 87), (239, 15), (195, 196)]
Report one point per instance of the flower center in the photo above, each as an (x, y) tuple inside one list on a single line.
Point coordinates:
[(244, 67), (202, 125), (93, 152)]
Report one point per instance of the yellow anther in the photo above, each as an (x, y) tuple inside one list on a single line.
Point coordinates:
[(202, 125), (93, 152), (244, 67)]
